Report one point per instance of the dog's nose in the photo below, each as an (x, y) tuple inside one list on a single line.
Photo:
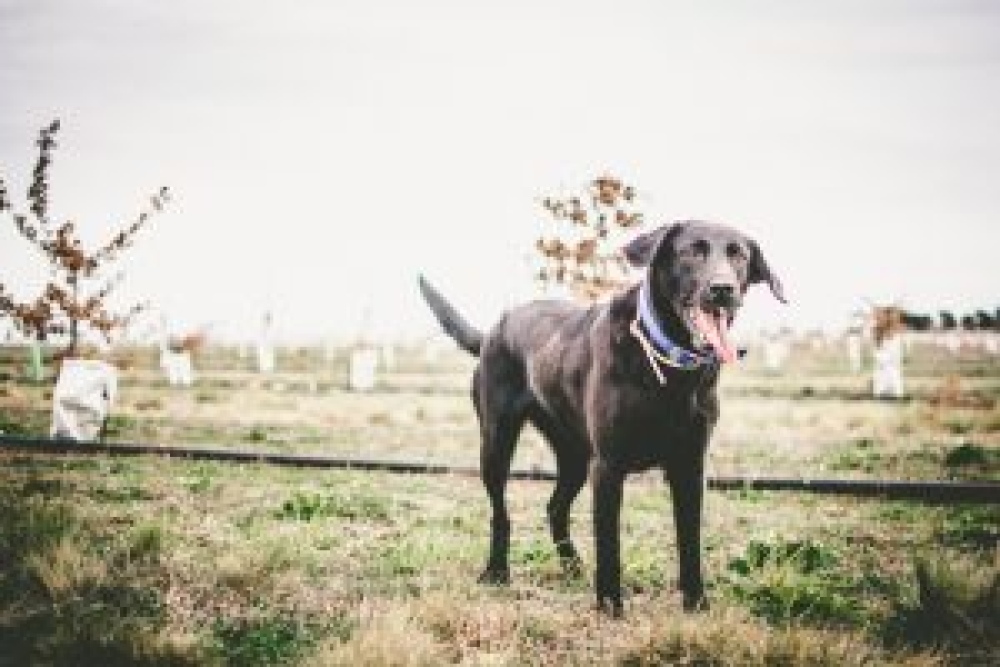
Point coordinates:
[(722, 294)]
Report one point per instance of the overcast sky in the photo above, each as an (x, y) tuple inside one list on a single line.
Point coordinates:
[(322, 153)]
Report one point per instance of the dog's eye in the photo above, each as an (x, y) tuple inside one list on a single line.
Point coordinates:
[(734, 251), (700, 247)]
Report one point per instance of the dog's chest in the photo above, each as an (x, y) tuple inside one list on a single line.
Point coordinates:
[(639, 428)]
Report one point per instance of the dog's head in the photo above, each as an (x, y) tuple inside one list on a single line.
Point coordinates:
[(698, 275)]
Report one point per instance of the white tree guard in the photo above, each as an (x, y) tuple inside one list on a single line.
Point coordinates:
[(363, 362), (265, 358), (82, 400), (854, 351), (265, 346), (775, 353), (388, 352), (887, 379), (177, 366)]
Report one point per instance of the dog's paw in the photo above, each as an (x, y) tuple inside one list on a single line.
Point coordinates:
[(695, 602), (572, 566), (611, 607), (495, 576)]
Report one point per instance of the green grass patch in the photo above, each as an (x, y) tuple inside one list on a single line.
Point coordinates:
[(146, 543), (118, 425), (256, 434), (644, 569), (26, 424), (271, 640), (859, 455), (123, 494), (901, 511), (358, 505), (200, 478), (408, 557), (532, 553), (404, 559), (793, 581), (971, 526), (970, 454)]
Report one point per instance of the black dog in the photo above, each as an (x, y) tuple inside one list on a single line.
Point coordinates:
[(627, 384)]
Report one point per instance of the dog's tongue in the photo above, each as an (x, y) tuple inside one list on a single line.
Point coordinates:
[(715, 329)]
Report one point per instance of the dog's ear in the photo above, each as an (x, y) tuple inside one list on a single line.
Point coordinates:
[(758, 272), (640, 251)]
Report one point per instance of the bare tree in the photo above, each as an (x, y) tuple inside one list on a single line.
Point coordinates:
[(581, 254), (77, 292)]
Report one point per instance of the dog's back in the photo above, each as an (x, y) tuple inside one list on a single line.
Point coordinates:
[(534, 327)]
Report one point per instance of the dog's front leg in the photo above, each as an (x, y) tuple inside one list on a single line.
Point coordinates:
[(608, 483), (687, 486)]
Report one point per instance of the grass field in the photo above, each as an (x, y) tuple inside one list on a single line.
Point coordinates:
[(149, 561)]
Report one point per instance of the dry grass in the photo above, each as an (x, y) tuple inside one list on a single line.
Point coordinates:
[(390, 636)]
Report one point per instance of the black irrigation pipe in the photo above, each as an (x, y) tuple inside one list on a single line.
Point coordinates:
[(943, 492)]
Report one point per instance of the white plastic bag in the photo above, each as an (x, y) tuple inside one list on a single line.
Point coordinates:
[(82, 400)]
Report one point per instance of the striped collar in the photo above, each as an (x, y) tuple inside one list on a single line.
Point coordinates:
[(659, 349)]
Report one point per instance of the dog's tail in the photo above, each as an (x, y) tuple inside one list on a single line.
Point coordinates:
[(467, 336)]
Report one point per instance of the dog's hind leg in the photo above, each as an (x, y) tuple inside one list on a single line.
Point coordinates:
[(499, 439), (501, 405), (572, 459)]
